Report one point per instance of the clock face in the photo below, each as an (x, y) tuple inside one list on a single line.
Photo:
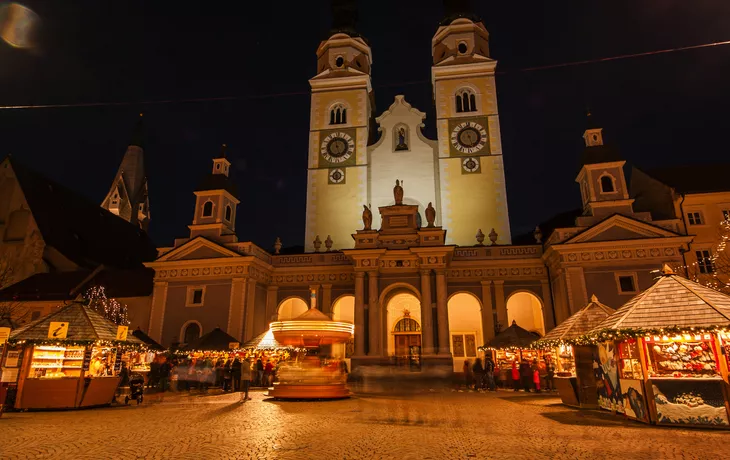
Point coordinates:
[(470, 164), (336, 176), (469, 137), (337, 147)]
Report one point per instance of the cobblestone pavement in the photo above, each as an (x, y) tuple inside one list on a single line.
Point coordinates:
[(431, 425)]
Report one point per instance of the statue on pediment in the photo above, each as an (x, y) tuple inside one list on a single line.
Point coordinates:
[(430, 215), (367, 218), (398, 193)]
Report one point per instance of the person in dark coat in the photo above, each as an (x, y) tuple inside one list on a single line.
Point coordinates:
[(236, 374), (154, 375), (259, 373), (489, 374), (525, 375), (165, 368), (478, 370), (227, 376)]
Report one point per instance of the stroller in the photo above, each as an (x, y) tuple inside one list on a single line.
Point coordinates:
[(136, 388)]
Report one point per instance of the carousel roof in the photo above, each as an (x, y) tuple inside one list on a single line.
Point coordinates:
[(215, 340), (513, 337), (149, 341), (673, 301), (265, 341), (586, 319), (83, 324), (313, 314)]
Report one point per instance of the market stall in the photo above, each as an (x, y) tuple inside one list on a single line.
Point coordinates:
[(512, 345), (69, 359), (138, 361), (573, 358), (667, 345)]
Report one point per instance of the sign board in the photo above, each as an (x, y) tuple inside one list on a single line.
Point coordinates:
[(12, 358), (4, 334), (58, 330), (9, 375), (87, 360), (233, 345), (122, 333)]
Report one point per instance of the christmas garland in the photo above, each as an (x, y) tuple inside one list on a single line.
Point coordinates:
[(125, 346)]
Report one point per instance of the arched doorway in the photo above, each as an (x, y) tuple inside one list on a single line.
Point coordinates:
[(191, 332), (525, 308), (404, 329), (291, 308), (344, 310), (465, 328)]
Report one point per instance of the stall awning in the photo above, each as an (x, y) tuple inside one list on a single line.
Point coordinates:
[(673, 301), (582, 322), (149, 341), (513, 337), (84, 325), (215, 340)]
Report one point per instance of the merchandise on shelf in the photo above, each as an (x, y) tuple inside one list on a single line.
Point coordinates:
[(629, 360), (565, 363), (682, 356), (49, 362)]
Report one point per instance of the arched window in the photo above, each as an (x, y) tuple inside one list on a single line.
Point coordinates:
[(192, 332), (466, 101), (208, 209), (338, 115), (407, 325), (229, 213), (607, 184)]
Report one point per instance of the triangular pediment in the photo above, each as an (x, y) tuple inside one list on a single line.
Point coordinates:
[(198, 248), (619, 227)]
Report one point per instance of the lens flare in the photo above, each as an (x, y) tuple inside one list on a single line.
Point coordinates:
[(18, 25)]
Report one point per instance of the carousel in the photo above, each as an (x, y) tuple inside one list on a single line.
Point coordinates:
[(312, 376)]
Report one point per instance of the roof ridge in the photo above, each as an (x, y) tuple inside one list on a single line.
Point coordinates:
[(638, 298), (690, 288), (86, 313)]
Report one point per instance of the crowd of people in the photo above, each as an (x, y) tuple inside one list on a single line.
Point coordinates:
[(527, 376), (232, 374)]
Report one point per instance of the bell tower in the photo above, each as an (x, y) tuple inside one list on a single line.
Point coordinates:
[(473, 192), (341, 107)]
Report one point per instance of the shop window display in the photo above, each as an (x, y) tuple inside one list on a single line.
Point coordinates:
[(629, 360), (682, 356), (51, 362)]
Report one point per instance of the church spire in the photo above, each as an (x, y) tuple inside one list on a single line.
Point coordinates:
[(128, 196)]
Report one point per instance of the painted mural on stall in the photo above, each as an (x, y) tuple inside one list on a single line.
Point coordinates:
[(634, 402), (690, 402), (606, 371)]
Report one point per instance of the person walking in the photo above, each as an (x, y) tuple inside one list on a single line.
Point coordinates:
[(515, 376), (259, 372), (236, 374), (535, 375), (525, 376), (227, 383), (549, 373), (478, 370), (269, 373), (246, 375), (165, 369), (489, 374), (467, 373)]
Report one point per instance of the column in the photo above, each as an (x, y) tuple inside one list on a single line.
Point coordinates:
[(501, 306), (547, 305), (326, 301), (426, 313), (157, 311), (236, 308), (359, 314), (374, 315), (248, 330), (272, 297), (487, 312), (442, 313), (314, 297)]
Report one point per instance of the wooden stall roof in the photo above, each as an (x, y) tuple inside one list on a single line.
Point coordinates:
[(149, 341), (582, 322), (513, 337), (84, 324), (265, 341), (215, 340), (672, 301)]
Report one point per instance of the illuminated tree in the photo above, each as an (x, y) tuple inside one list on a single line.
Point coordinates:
[(110, 308), (718, 275)]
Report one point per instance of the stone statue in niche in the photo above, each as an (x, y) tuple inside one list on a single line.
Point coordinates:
[(401, 139), (367, 218), (430, 215), (398, 193)]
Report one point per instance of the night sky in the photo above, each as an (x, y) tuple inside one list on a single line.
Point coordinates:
[(665, 109)]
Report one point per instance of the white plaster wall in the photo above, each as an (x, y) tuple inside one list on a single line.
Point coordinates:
[(416, 167)]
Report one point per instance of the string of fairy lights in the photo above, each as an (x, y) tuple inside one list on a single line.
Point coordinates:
[(110, 308), (712, 279)]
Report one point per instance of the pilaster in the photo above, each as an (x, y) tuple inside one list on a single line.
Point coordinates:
[(248, 331), (272, 296), (374, 314), (501, 303), (487, 312), (157, 313), (326, 299), (426, 313), (236, 308), (547, 302), (359, 314), (442, 313)]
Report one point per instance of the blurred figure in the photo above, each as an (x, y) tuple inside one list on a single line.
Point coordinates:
[(236, 374), (467, 373), (246, 375), (525, 376), (515, 376), (535, 375), (269, 373), (549, 373), (259, 373), (489, 374), (478, 370)]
